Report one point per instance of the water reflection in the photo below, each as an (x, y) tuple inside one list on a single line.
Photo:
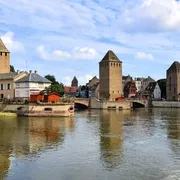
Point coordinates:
[(25, 136), (111, 138), (7, 127)]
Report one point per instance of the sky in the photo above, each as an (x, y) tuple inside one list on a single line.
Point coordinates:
[(68, 38)]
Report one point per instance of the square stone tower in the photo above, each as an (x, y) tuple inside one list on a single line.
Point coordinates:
[(173, 82), (110, 77), (4, 58)]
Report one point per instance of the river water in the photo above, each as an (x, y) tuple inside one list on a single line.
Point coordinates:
[(142, 144)]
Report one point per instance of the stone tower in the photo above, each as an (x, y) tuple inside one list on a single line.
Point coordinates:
[(173, 81), (74, 82), (4, 58), (110, 76)]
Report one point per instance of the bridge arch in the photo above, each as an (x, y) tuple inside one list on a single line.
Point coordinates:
[(136, 104)]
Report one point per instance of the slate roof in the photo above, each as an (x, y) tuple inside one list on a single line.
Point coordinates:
[(175, 66), (130, 85), (34, 77), (7, 76), (149, 79), (151, 87), (126, 77), (3, 47), (110, 56)]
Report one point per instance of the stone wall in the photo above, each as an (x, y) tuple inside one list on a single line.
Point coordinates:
[(97, 104), (40, 110), (166, 104)]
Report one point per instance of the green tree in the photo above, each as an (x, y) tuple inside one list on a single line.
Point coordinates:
[(55, 85), (12, 68)]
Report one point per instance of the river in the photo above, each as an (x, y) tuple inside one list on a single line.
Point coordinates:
[(141, 144)]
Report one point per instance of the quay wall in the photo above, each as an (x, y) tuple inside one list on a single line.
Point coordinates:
[(98, 104), (40, 110), (166, 104)]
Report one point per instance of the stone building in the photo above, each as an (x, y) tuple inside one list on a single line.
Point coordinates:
[(4, 58), (110, 77), (7, 84), (173, 81), (74, 82)]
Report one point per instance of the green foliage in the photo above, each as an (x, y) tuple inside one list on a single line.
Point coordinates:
[(51, 78), (55, 85), (12, 68)]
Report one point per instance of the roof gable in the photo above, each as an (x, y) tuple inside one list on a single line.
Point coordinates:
[(110, 56)]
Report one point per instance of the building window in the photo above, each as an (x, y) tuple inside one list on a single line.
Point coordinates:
[(0, 53), (26, 84), (17, 93), (2, 87), (5, 53), (2, 96), (17, 85), (9, 86)]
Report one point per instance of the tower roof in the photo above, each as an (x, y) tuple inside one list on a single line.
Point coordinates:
[(3, 47), (75, 79), (110, 56), (175, 66)]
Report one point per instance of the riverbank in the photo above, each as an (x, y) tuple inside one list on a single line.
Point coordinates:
[(166, 104), (8, 114)]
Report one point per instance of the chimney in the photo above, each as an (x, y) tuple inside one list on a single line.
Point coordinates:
[(35, 71), (30, 71)]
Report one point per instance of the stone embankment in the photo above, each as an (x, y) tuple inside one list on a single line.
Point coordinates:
[(166, 104)]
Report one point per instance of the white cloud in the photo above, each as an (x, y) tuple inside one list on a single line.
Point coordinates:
[(54, 55), (144, 56), (159, 15), (11, 44), (84, 53)]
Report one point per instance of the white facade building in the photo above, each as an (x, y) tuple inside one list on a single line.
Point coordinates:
[(138, 82), (157, 92), (33, 83)]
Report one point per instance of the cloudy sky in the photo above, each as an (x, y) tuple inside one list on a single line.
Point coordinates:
[(69, 37)]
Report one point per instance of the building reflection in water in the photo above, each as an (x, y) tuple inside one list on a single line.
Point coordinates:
[(7, 131), (29, 136), (111, 138), (42, 133), (174, 124)]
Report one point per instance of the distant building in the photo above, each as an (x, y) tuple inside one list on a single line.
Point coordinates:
[(130, 89), (110, 77), (4, 58), (126, 79), (138, 81), (92, 82), (162, 85), (74, 82), (146, 82), (70, 90), (173, 81), (31, 84), (153, 91), (7, 84)]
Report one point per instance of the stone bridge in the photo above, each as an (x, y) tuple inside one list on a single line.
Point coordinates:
[(135, 102), (82, 101), (139, 102)]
